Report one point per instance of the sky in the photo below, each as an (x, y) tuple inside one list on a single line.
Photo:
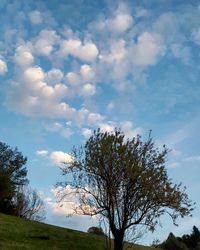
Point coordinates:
[(69, 67)]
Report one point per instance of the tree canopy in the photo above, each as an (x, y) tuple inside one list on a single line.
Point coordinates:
[(125, 182), (13, 174)]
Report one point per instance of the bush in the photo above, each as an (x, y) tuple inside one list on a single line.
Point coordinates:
[(173, 243), (96, 230)]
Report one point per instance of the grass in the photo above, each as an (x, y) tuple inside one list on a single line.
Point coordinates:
[(20, 234)]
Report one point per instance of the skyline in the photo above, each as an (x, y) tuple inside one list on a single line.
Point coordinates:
[(68, 68)]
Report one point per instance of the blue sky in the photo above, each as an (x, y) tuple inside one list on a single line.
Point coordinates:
[(68, 67)]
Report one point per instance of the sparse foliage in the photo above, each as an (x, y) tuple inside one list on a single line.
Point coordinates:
[(28, 204), (125, 182)]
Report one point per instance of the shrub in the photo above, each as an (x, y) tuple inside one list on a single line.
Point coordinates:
[(173, 243), (96, 230)]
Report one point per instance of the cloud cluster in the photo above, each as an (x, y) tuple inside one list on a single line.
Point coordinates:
[(120, 21), (59, 71), (58, 158), (85, 51)]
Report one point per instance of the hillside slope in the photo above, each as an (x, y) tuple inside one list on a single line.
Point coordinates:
[(16, 233)]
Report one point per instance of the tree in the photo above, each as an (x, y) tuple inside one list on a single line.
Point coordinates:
[(12, 175), (28, 204), (193, 239), (173, 243), (125, 182)]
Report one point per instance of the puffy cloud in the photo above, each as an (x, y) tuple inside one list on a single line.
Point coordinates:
[(116, 61), (78, 81), (86, 51), (88, 90), (34, 74), (95, 118), (44, 43), (73, 78), (23, 56), (117, 52), (126, 126), (35, 17), (107, 127), (86, 132), (147, 49), (120, 23), (54, 76), (3, 67), (42, 152), (32, 96), (66, 205), (87, 72), (60, 157), (129, 130)]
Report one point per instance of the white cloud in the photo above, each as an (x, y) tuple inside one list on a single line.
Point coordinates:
[(66, 207), (42, 152), (34, 74), (35, 17), (78, 81), (57, 127), (107, 127), (23, 56), (3, 67), (86, 51), (147, 49), (120, 23), (87, 72), (88, 90), (95, 118), (117, 52), (60, 157), (73, 78), (129, 130), (54, 76), (86, 132), (44, 43)]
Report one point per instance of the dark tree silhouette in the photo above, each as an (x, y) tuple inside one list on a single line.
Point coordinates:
[(12, 175), (125, 182)]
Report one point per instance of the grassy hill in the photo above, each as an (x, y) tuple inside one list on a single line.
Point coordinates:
[(16, 233)]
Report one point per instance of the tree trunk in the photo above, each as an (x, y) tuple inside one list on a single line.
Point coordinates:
[(118, 241)]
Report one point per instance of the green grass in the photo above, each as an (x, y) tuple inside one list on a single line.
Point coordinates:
[(16, 233)]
